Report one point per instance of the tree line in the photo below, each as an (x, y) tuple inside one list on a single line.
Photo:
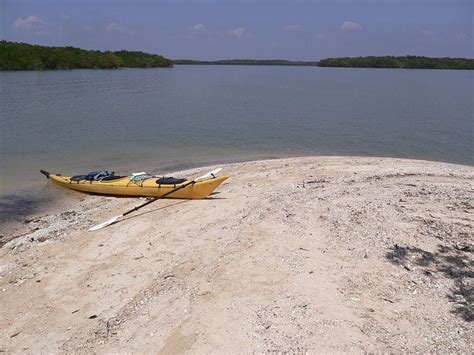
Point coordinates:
[(407, 62), (22, 56), (246, 62)]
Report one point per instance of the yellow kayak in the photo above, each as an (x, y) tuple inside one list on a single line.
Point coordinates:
[(139, 187)]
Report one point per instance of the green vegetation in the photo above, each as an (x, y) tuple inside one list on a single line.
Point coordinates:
[(408, 62), (245, 62), (22, 56), (143, 60)]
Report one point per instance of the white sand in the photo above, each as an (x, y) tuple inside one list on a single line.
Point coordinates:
[(306, 254)]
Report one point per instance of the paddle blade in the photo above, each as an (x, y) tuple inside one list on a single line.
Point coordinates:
[(104, 224), (209, 175)]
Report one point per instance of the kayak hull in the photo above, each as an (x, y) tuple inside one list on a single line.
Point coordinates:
[(147, 188)]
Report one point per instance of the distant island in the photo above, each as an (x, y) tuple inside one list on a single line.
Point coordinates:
[(246, 62), (23, 56), (406, 62)]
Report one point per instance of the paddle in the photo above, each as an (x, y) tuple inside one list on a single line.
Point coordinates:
[(116, 218)]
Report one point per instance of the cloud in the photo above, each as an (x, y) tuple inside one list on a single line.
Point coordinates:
[(293, 28), (113, 26), (237, 33), (351, 26), (30, 23), (194, 32), (199, 28), (116, 27)]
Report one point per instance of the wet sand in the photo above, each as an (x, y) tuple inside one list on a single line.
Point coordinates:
[(303, 254)]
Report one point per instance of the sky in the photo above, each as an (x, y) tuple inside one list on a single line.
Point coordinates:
[(259, 29)]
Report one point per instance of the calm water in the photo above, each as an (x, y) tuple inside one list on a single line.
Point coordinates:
[(160, 119)]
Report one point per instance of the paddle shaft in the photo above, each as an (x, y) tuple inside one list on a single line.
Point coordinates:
[(159, 197), (113, 220)]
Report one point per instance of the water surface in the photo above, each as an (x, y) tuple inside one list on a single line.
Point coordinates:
[(160, 119)]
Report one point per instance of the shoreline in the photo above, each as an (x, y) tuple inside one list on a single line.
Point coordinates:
[(173, 167), (290, 253), (234, 65), (32, 202)]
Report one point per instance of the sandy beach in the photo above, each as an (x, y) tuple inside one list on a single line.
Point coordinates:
[(314, 254)]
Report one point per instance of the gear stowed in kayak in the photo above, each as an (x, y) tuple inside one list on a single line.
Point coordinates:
[(106, 183)]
